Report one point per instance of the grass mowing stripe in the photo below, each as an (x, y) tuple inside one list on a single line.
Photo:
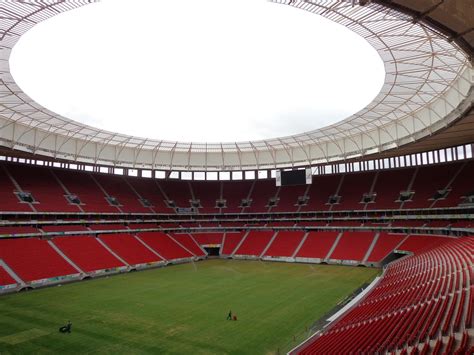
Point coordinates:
[(181, 309)]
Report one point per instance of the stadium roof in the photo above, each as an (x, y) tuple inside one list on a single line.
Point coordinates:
[(426, 49)]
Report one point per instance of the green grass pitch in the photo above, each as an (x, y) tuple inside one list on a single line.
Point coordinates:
[(179, 309)]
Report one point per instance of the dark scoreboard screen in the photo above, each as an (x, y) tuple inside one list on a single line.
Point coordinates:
[(293, 177)]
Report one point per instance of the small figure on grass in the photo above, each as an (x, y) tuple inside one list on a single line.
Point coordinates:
[(229, 316), (66, 328)]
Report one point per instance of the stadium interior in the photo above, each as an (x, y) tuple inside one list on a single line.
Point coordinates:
[(78, 203)]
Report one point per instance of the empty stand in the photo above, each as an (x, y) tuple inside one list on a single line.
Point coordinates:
[(319, 192), (288, 198), (117, 187), (429, 180), (255, 243), (90, 194), (48, 194), (317, 245), (285, 244), (353, 246), (189, 243), (234, 192), (419, 299), (5, 278), (352, 190), (87, 253), (230, 242), (207, 192), (385, 244), (418, 243), (129, 249), (177, 191), (388, 186), (9, 201), (208, 238), (263, 190), (149, 189), (33, 259), (164, 245)]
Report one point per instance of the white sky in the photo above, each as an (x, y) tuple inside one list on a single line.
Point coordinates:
[(187, 70)]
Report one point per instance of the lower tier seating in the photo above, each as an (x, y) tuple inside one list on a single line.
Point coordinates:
[(352, 246), (88, 253), (255, 243), (317, 245), (34, 259), (386, 242), (285, 243), (420, 299), (5, 278), (208, 238), (189, 243), (230, 242), (129, 249), (164, 245)]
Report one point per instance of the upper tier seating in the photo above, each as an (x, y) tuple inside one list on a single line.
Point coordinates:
[(149, 189), (177, 191), (207, 192), (48, 194), (33, 259), (428, 180), (353, 246), (81, 184), (8, 199), (288, 198), (117, 186), (317, 245), (461, 186), (87, 253), (419, 299), (49, 187), (388, 185), (255, 243), (261, 194), (352, 190), (233, 193), (164, 245), (285, 243), (319, 192), (129, 249), (187, 241)]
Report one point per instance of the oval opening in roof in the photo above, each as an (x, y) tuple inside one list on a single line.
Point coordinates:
[(201, 71)]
